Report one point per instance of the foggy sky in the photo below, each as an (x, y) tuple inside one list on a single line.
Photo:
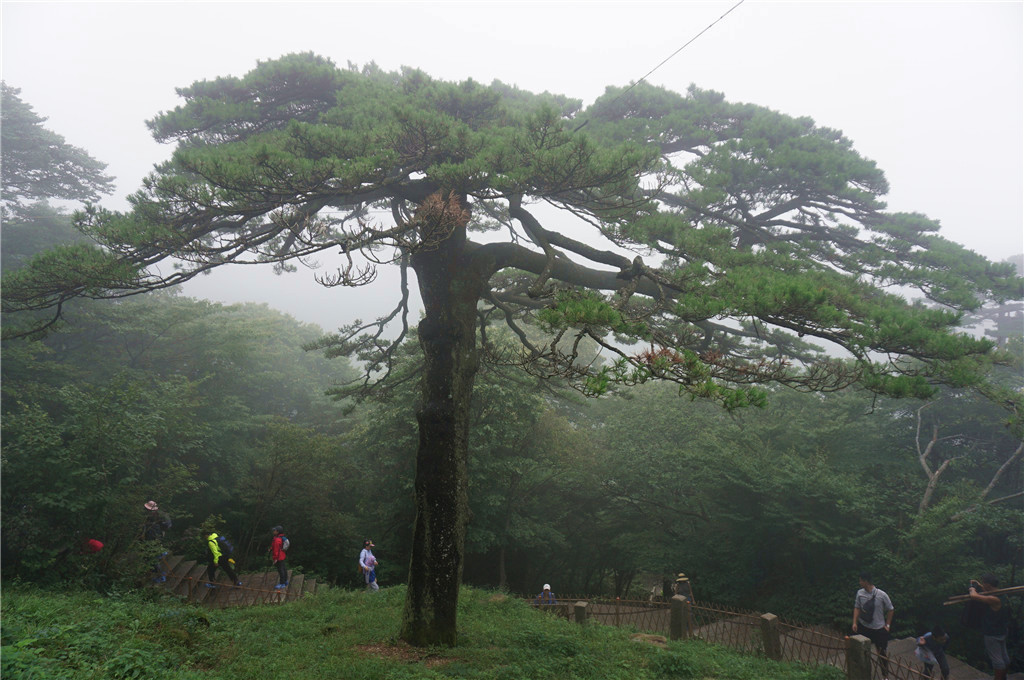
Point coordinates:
[(933, 92)]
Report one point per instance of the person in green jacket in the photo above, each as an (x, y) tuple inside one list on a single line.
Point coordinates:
[(217, 550)]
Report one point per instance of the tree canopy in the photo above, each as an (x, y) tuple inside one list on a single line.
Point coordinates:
[(691, 239), (38, 164)]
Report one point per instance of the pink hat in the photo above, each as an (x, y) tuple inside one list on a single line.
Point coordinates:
[(151, 505)]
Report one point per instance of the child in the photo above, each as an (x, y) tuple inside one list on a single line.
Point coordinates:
[(931, 650)]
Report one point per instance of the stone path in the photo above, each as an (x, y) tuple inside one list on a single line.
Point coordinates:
[(743, 633), (958, 670)]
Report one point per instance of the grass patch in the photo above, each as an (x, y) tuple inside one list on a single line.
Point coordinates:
[(339, 635)]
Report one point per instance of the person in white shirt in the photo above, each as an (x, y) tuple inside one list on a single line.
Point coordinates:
[(368, 564), (872, 618)]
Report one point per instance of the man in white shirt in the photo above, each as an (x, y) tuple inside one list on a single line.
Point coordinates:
[(872, 618)]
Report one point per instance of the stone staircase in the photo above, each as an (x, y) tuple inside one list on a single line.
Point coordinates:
[(187, 579)]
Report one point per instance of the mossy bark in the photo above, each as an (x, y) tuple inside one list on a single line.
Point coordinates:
[(447, 335)]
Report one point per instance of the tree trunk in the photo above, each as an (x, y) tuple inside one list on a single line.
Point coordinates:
[(447, 335), (502, 575)]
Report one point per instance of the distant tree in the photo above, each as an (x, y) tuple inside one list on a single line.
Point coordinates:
[(973, 435), (37, 164), (746, 230), (520, 450), (36, 227), (1001, 320), (291, 478), (208, 408), (83, 469)]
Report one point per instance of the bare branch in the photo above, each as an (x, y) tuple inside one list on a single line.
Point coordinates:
[(1003, 468)]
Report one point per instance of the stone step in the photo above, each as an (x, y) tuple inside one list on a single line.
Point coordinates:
[(187, 579), (192, 580), (167, 566), (294, 590), (174, 577), (170, 563), (177, 582)]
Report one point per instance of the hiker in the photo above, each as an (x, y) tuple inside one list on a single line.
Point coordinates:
[(995, 622), (546, 597), (368, 565), (931, 650), (682, 587), (157, 522), (90, 547), (217, 550), (278, 554), (872, 618), (153, 529)]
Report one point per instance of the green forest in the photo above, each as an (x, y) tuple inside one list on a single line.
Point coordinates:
[(538, 421)]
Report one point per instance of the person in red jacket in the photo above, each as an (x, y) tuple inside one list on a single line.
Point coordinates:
[(278, 554)]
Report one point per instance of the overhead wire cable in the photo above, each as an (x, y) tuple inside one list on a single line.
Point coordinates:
[(666, 59)]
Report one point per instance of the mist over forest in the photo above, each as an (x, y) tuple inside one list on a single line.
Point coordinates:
[(616, 340)]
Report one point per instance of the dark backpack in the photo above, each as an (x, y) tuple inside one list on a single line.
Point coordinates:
[(225, 546)]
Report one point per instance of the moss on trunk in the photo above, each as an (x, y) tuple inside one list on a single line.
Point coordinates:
[(447, 335)]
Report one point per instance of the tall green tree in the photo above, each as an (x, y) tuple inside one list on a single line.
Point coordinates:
[(37, 164), (746, 229)]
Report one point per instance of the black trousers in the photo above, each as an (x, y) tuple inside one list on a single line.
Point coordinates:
[(282, 572), (880, 639), (211, 570)]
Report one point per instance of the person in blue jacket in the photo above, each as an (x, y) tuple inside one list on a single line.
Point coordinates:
[(546, 597), (931, 650)]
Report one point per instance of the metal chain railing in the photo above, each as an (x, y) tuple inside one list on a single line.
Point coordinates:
[(812, 644), (729, 626), (647, 617)]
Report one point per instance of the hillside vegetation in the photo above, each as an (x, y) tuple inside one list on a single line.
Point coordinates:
[(339, 634)]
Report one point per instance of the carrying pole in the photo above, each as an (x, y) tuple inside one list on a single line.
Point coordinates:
[(1012, 590)]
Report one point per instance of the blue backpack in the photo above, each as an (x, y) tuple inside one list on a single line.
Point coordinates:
[(225, 546)]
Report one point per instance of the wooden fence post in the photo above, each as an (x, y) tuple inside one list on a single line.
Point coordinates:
[(770, 636), (580, 611), (679, 619), (858, 658)]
